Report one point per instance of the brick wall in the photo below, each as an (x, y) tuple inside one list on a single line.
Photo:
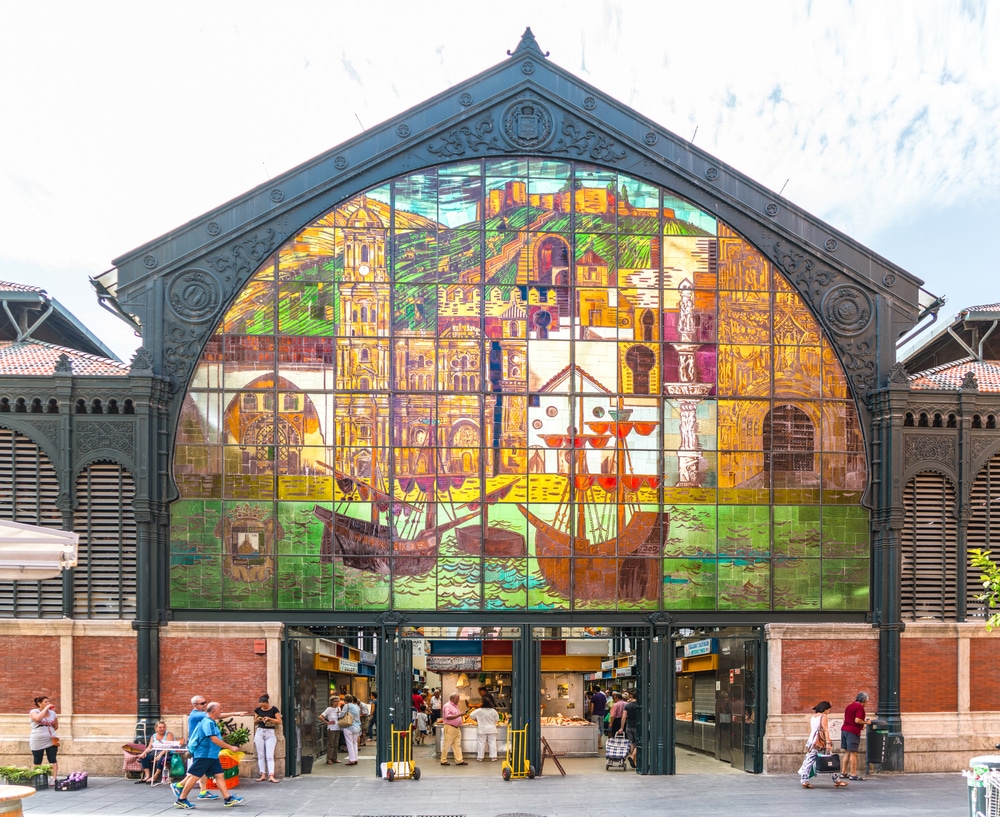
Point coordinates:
[(29, 667), (224, 670), (929, 675), (833, 670), (984, 680), (104, 675)]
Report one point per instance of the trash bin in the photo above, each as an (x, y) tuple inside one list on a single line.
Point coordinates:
[(307, 764), (977, 786), (875, 742)]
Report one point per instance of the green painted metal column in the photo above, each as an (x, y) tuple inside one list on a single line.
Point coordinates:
[(527, 683), (657, 692)]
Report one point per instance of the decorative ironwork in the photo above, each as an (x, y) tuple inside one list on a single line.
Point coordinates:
[(403, 130), (104, 435), (527, 45), (527, 124), (847, 309), (889, 279), (465, 99), (898, 375), (589, 103), (149, 261), (340, 163), (277, 195), (771, 209), (927, 447), (142, 360), (243, 258), (859, 364), (581, 140), (213, 228), (473, 139), (831, 245), (195, 295), (712, 174)]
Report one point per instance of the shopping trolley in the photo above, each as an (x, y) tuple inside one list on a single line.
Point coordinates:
[(616, 751), (400, 766), (516, 763)]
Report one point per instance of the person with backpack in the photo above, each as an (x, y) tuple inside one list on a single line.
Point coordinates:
[(204, 744)]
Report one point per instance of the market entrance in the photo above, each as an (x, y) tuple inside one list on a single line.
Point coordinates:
[(719, 701)]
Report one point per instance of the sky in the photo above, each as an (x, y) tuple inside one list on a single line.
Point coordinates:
[(125, 120)]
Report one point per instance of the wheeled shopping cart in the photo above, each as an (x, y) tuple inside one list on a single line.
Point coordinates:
[(616, 751), (400, 765), (516, 763)]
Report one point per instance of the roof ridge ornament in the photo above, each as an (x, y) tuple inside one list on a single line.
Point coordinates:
[(528, 45)]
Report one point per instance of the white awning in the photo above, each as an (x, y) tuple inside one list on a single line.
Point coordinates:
[(31, 553)]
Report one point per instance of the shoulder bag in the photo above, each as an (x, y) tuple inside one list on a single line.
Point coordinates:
[(345, 720)]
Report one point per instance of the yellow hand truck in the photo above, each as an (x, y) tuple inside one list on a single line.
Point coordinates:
[(400, 766), (516, 763)]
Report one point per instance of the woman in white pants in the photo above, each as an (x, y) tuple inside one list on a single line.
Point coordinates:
[(352, 732), (486, 718), (266, 719)]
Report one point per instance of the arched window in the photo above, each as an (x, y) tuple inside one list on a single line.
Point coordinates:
[(788, 440)]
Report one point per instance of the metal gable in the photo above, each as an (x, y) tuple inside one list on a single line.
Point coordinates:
[(180, 284)]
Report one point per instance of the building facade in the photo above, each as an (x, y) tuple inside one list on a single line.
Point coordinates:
[(514, 359)]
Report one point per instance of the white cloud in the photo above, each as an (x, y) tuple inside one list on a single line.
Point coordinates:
[(126, 120)]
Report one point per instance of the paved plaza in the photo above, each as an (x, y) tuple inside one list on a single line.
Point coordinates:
[(587, 791)]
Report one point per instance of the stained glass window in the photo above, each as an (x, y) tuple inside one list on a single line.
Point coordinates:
[(519, 385)]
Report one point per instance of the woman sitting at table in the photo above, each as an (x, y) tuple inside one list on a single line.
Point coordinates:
[(153, 760)]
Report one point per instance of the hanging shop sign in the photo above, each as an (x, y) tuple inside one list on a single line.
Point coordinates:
[(703, 647), (349, 666), (439, 663)]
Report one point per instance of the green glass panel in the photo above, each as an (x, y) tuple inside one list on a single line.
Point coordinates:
[(360, 590), (304, 583), (691, 531), (505, 584), (797, 532), (845, 584), (744, 532), (744, 584), (690, 584), (797, 584), (459, 584), (681, 217), (846, 531)]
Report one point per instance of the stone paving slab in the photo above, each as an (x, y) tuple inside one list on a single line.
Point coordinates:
[(470, 793)]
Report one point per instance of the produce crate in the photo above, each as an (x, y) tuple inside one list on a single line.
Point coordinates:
[(71, 785)]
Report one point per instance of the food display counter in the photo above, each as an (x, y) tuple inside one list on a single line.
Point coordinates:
[(577, 738), (574, 736), (695, 735)]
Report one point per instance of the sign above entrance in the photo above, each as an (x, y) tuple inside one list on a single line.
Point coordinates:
[(703, 647), (437, 663)]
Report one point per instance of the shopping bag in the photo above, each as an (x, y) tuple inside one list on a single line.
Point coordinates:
[(827, 763), (177, 765)]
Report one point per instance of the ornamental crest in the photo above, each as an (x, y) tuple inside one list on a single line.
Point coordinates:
[(527, 124), (248, 535)]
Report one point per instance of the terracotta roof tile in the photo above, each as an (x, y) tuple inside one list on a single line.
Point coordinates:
[(38, 359), (7, 286), (950, 376)]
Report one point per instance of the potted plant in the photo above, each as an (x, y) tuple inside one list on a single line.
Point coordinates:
[(37, 776)]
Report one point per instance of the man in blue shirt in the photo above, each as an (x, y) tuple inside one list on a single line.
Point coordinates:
[(598, 708), (205, 742)]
